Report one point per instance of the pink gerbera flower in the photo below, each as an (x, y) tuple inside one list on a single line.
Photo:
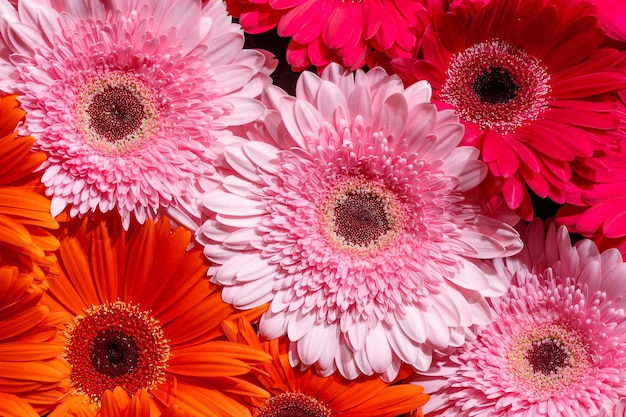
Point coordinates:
[(324, 31), (555, 347), (531, 82), (347, 215), (126, 97)]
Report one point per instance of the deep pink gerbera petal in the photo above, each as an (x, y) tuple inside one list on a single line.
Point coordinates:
[(325, 31), (126, 98), (596, 204), (535, 74), (554, 347), (347, 215)]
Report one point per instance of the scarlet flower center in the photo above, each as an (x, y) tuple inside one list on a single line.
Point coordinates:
[(360, 216), (117, 113), (548, 357), (496, 85), (293, 404), (115, 344)]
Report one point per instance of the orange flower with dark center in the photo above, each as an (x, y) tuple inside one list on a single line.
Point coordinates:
[(303, 393), (140, 315), (25, 218)]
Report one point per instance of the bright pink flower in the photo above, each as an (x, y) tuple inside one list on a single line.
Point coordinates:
[(598, 202), (347, 216), (324, 31), (612, 17), (533, 85), (126, 97), (555, 346)]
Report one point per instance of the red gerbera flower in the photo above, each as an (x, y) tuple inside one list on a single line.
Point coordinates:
[(533, 85)]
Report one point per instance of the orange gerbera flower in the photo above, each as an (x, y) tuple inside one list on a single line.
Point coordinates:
[(24, 211), (141, 314), (303, 393), (30, 367), (118, 403)]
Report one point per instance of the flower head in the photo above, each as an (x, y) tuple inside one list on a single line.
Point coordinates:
[(302, 393), (324, 31), (596, 206), (554, 347), (126, 98), (347, 215), (25, 220), (139, 314), (118, 403), (533, 84), (31, 370)]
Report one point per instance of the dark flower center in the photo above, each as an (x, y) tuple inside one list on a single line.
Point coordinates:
[(115, 344), (495, 85), (116, 113), (361, 218), (114, 353), (547, 356), (293, 404)]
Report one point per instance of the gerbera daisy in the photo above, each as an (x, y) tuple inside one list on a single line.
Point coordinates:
[(597, 204), (30, 367), (303, 393), (126, 97), (140, 314), (324, 31), (531, 82), (612, 17), (555, 346), (118, 403), (349, 219), (25, 220)]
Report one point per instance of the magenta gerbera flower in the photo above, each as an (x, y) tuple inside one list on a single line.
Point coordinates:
[(533, 84), (555, 347), (126, 97), (597, 204), (347, 216), (324, 31)]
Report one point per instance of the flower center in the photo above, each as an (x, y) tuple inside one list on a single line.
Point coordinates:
[(117, 113), (114, 353), (548, 357), (360, 216), (496, 85), (293, 404), (115, 344)]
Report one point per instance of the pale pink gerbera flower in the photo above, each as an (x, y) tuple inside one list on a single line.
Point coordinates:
[(125, 97), (350, 219), (556, 345)]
